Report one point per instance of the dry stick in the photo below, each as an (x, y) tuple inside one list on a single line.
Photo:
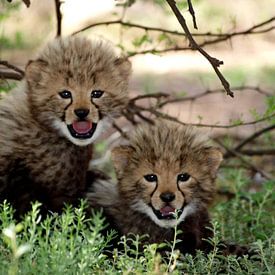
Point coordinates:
[(229, 36), (122, 133), (192, 12), (10, 66), (246, 162), (258, 152), (250, 30), (221, 37), (211, 92), (58, 4), (148, 120), (213, 61), (255, 135), (154, 95), (134, 109), (10, 75), (18, 74), (203, 44)]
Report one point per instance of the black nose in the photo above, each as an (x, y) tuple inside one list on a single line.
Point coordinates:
[(167, 197), (81, 113)]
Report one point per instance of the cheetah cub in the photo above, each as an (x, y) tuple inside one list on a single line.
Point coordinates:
[(68, 96), (166, 178)]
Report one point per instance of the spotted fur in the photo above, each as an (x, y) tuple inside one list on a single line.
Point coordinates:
[(136, 205), (40, 159)]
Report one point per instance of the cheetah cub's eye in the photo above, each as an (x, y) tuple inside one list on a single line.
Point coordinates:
[(96, 93), (65, 94), (151, 177), (183, 177)]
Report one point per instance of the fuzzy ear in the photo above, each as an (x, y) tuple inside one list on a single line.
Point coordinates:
[(120, 158), (214, 157), (124, 66), (34, 70)]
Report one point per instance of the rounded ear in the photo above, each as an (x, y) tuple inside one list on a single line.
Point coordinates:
[(120, 157), (34, 70), (124, 66), (214, 158)]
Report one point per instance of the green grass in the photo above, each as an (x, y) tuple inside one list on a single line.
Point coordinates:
[(72, 243)]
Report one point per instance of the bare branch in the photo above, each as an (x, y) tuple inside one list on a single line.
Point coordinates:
[(10, 75), (193, 44), (219, 37), (258, 152), (210, 92), (192, 12), (224, 36), (177, 48), (122, 133), (10, 66), (17, 73), (249, 164), (58, 4), (155, 95), (133, 109), (254, 136)]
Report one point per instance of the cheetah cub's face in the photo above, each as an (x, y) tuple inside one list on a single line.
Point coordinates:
[(166, 172), (76, 86)]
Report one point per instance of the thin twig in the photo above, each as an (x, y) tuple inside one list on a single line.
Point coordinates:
[(58, 4), (17, 73), (211, 92), (258, 152), (255, 135), (133, 109), (10, 66), (193, 44), (192, 12), (122, 133), (250, 30), (154, 95), (246, 162), (220, 37), (177, 48), (10, 75)]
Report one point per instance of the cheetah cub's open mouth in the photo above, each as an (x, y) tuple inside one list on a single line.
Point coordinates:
[(166, 213), (82, 129)]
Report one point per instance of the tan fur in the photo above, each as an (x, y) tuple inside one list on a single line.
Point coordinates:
[(34, 138), (80, 66), (166, 150)]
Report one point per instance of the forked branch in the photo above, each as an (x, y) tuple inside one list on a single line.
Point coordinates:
[(249, 164), (193, 44)]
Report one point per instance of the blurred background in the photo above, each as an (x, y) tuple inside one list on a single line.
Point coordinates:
[(163, 62)]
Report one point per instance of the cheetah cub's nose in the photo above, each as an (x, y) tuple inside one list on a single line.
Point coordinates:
[(167, 197), (81, 113)]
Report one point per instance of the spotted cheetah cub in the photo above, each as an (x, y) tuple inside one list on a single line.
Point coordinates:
[(166, 177), (68, 96)]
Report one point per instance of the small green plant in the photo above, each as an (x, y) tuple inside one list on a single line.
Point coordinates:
[(72, 243), (16, 250)]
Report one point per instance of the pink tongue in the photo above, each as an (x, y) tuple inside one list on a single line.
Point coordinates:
[(82, 127), (167, 210)]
